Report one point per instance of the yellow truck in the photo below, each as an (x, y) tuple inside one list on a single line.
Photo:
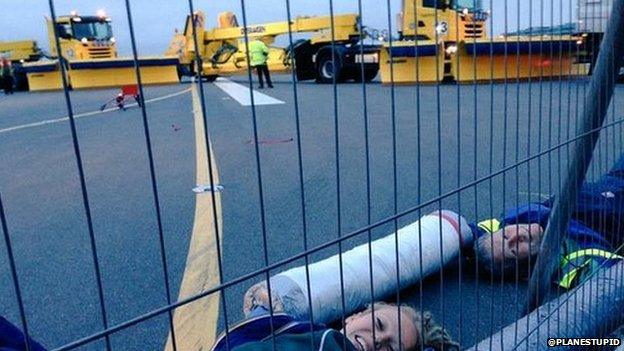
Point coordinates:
[(223, 51), (437, 41), (88, 52), (447, 40)]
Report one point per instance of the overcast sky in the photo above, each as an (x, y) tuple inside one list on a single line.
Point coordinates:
[(155, 20)]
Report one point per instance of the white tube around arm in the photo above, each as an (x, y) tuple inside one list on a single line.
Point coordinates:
[(443, 227)]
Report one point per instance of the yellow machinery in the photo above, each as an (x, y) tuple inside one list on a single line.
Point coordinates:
[(439, 40), (89, 55), (21, 50), (446, 40), (223, 51)]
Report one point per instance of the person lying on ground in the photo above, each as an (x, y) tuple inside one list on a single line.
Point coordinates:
[(359, 333), (511, 244)]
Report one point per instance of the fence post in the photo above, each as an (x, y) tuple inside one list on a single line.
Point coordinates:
[(599, 95), (598, 303)]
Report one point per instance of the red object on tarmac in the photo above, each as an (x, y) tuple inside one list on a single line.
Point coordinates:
[(130, 90), (120, 98)]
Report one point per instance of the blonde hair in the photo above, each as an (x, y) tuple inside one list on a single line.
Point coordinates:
[(430, 334)]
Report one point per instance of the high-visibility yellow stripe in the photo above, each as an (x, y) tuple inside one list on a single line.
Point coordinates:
[(590, 252), (490, 225), (567, 280)]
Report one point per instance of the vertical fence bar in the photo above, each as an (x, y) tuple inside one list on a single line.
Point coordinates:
[(302, 193), (459, 195), (14, 276), (368, 166), (475, 163), (258, 173), (516, 168), (337, 159), (491, 161), (439, 46), (419, 172), (593, 117), (199, 65), (83, 184), (150, 154), (504, 192), (394, 176)]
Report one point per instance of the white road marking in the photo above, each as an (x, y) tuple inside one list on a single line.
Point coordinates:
[(241, 94), (87, 114)]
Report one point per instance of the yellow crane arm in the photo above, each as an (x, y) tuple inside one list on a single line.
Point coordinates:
[(345, 27)]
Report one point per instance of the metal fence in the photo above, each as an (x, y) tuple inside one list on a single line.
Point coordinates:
[(366, 160)]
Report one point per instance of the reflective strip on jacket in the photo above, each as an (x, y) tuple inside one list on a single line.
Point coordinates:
[(579, 265)]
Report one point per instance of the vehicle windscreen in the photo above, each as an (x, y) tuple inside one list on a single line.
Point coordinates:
[(471, 5), (440, 4), (99, 30)]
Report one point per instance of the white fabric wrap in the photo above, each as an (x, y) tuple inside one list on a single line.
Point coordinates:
[(291, 285)]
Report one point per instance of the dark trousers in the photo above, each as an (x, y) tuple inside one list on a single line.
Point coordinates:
[(7, 84), (263, 70)]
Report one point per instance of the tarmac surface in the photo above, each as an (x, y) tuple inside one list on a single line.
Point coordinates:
[(446, 137)]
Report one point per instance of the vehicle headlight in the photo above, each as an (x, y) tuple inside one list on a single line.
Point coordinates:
[(84, 40), (113, 40)]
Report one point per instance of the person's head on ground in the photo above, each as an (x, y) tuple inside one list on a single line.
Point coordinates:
[(509, 249), (358, 327), (382, 333)]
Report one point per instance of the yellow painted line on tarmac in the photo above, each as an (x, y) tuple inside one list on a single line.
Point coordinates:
[(88, 114), (195, 324)]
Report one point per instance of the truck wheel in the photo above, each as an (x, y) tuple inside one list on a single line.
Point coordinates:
[(327, 68), (210, 78)]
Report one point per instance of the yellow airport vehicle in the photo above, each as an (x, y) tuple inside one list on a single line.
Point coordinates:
[(438, 40), (20, 50), (511, 58), (223, 51), (88, 52), (446, 40)]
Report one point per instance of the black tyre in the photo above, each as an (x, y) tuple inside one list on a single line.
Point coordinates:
[(326, 68), (210, 78), (369, 75)]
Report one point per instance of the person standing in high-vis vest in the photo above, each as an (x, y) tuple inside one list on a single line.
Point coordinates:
[(258, 55), (508, 246)]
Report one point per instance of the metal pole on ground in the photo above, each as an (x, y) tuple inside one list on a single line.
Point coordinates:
[(599, 95), (599, 303)]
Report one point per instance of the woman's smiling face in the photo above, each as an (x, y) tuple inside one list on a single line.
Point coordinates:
[(359, 329)]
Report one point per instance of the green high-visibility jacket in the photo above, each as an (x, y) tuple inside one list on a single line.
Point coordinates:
[(258, 53)]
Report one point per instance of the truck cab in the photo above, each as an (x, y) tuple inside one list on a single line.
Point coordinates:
[(83, 37), (453, 20)]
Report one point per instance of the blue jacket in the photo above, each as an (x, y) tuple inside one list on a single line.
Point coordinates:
[(256, 333), (12, 339), (597, 219)]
